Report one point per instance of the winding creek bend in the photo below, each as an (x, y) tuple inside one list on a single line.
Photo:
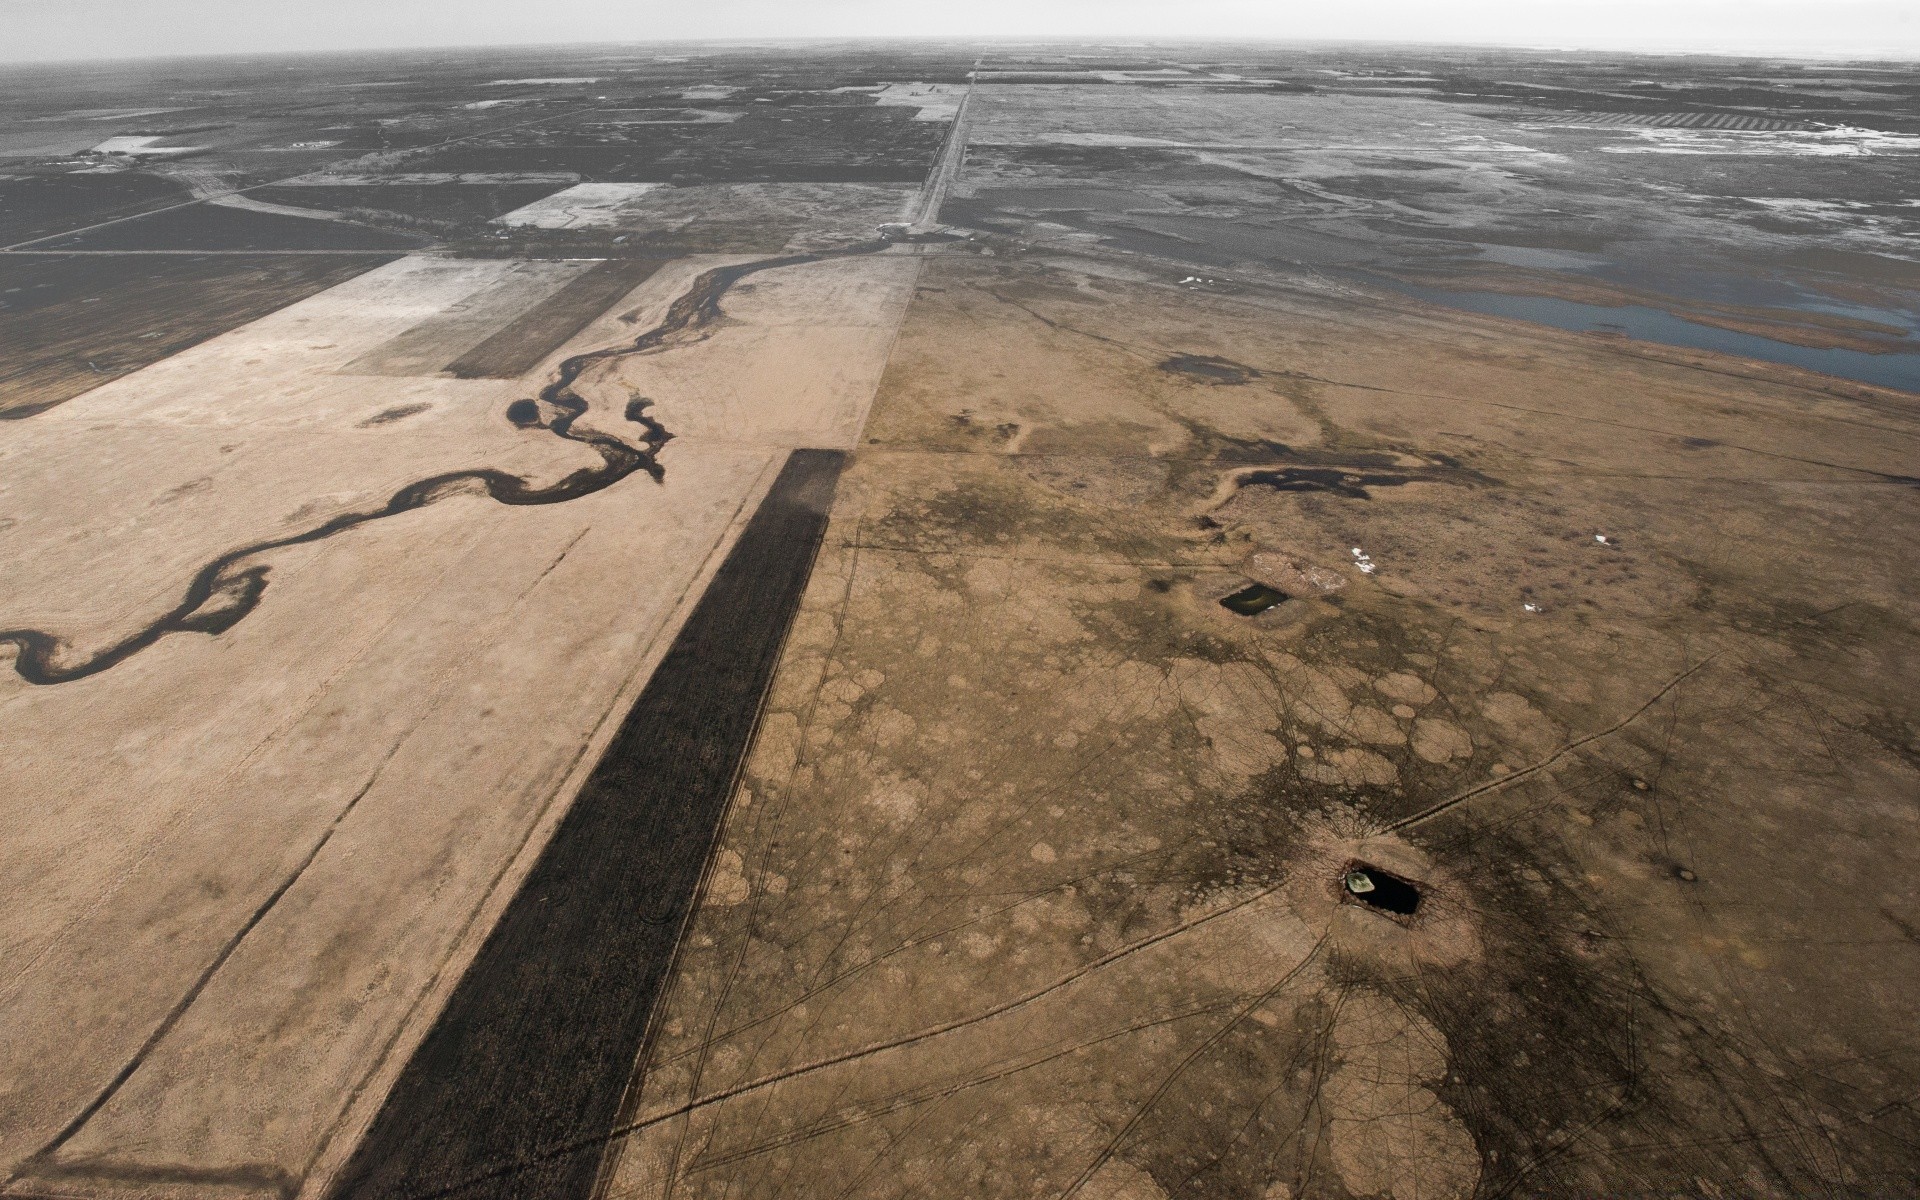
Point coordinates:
[(228, 587)]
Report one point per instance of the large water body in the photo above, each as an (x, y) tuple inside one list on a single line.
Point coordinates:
[(1894, 368), (1900, 370), (1218, 242)]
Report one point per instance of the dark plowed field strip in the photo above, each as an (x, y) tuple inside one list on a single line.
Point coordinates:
[(68, 325), (621, 164), (427, 347), (43, 205), (452, 203), (1690, 120), (541, 330), (518, 1083), (216, 227)]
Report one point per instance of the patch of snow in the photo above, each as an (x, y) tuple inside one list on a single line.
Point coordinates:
[(141, 147), (1841, 141), (936, 101), (583, 206)]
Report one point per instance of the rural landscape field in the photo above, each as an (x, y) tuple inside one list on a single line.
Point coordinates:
[(875, 620)]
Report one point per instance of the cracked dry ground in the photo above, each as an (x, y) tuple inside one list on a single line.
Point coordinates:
[(1033, 885)]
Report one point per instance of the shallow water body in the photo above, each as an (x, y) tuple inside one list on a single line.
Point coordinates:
[(1760, 288), (1900, 370), (1221, 243)]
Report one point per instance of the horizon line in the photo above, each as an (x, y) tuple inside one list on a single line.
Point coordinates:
[(1822, 55)]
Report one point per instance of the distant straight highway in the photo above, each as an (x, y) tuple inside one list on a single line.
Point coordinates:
[(940, 181)]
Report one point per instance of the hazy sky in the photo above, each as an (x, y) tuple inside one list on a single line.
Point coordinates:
[(55, 29)]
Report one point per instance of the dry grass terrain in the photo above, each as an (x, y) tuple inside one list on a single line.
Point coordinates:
[(1034, 885)]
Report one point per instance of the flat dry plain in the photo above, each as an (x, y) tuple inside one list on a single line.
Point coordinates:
[(1033, 887), (1047, 872)]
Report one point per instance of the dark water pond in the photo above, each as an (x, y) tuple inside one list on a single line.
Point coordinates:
[(1253, 600), (1377, 889)]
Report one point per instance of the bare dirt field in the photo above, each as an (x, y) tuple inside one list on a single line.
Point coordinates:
[(356, 696)]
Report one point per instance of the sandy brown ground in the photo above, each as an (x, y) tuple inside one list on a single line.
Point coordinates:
[(1033, 887), (241, 871)]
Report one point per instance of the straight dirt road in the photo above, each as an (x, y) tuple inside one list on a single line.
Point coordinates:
[(940, 182)]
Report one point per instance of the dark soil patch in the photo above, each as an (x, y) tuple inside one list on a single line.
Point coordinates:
[(50, 204), (770, 143), (1210, 369), (541, 330), (70, 324), (214, 227), (398, 412), (1323, 479), (1091, 158), (622, 164), (455, 204)]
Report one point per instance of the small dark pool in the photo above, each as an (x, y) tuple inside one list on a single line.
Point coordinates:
[(1377, 889), (1253, 600)]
